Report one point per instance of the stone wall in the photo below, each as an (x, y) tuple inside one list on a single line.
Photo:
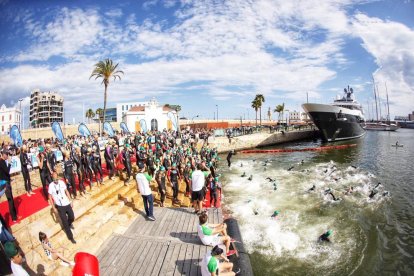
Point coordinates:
[(259, 140)]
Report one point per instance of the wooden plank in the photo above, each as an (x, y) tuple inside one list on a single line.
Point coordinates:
[(195, 260), (158, 213), (150, 259), (112, 240), (106, 262), (131, 245), (162, 221), (179, 264), (177, 224), (173, 260), (170, 219), (183, 227), (191, 226), (143, 254), (131, 263), (167, 260), (188, 259), (161, 258), (220, 212), (148, 227)]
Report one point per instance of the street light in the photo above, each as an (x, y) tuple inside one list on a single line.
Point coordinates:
[(192, 119), (21, 114), (217, 112)]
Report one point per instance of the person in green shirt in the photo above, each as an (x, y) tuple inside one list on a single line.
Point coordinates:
[(210, 265)]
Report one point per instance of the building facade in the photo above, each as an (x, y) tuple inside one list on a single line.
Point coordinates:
[(45, 108), (9, 116), (150, 117), (122, 109)]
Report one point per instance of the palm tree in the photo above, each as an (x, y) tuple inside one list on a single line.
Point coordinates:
[(105, 70), (99, 113), (260, 100), (89, 114), (256, 106), (279, 109)]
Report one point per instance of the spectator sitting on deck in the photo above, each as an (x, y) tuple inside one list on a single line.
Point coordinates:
[(213, 234), (210, 265)]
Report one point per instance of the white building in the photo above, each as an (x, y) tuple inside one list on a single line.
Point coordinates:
[(297, 117), (155, 116), (9, 117), (122, 109)]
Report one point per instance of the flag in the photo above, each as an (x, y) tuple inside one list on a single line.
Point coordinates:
[(143, 125), (83, 130), (57, 130), (173, 119), (124, 127), (16, 136), (108, 129)]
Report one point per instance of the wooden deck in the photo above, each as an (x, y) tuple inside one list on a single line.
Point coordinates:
[(167, 246)]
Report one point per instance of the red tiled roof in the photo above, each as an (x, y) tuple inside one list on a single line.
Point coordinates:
[(137, 108), (166, 108)]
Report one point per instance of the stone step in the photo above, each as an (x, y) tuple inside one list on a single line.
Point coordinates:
[(28, 229), (86, 227)]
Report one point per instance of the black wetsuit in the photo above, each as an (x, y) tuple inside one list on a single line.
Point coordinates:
[(80, 171), (109, 160), (126, 157), (24, 160), (160, 178), (68, 174), (174, 182), (324, 238), (229, 155)]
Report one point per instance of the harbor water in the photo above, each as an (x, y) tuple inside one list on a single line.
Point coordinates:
[(371, 236)]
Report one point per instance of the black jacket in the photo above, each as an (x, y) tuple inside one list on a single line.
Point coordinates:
[(4, 170)]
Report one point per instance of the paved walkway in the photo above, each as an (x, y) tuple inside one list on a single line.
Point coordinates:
[(168, 246)]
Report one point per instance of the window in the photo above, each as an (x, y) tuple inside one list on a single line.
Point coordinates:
[(122, 108), (2, 128), (2, 118), (10, 117)]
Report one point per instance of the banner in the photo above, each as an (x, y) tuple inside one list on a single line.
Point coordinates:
[(124, 127), (143, 125), (16, 136), (57, 130), (108, 129), (58, 154), (173, 119), (83, 130), (16, 166)]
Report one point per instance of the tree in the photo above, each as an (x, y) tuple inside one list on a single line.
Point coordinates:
[(105, 70), (99, 113), (280, 108), (260, 100), (89, 114), (256, 106)]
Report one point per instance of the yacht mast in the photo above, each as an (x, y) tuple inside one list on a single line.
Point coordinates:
[(375, 95), (388, 104)]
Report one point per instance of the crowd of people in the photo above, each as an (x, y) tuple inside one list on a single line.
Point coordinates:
[(158, 155)]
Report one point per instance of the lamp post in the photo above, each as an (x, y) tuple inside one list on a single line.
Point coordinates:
[(192, 119), (217, 112), (21, 115)]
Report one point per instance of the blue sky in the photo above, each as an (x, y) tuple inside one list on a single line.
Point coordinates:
[(200, 54)]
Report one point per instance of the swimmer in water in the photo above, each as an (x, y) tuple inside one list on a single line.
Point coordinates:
[(250, 177), (244, 174), (275, 214), (350, 190), (327, 191), (291, 168), (373, 193), (312, 189), (255, 212), (355, 167), (270, 179), (241, 165), (333, 196), (397, 143), (325, 236), (386, 193), (302, 162), (229, 155)]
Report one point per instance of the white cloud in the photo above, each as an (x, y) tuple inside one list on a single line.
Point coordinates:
[(391, 44)]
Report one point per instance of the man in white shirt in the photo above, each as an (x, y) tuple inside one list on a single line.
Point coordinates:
[(16, 259), (144, 189), (198, 178), (59, 199)]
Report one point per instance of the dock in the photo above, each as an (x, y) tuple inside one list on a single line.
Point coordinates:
[(167, 246)]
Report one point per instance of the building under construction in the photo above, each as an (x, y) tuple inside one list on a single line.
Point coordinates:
[(45, 108)]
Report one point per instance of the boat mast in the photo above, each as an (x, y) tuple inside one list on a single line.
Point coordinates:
[(375, 95), (379, 103), (388, 104)]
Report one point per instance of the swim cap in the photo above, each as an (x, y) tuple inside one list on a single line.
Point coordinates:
[(162, 168), (216, 178), (41, 149), (276, 213), (329, 232), (174, 165)]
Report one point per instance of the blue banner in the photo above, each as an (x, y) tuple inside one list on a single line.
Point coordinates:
[(143, 125), (83, 130), (173, 119), (124, 127), (16, 136), (108, 129), (57, 130)]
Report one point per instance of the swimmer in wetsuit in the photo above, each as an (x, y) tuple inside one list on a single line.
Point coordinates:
[(229, 155), (333, 196), (312, 189), (325, 236)]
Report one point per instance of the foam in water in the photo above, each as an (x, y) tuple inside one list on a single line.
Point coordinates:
[(304, 215)]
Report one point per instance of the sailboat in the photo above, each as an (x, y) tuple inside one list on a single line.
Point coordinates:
[(380, 126)]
